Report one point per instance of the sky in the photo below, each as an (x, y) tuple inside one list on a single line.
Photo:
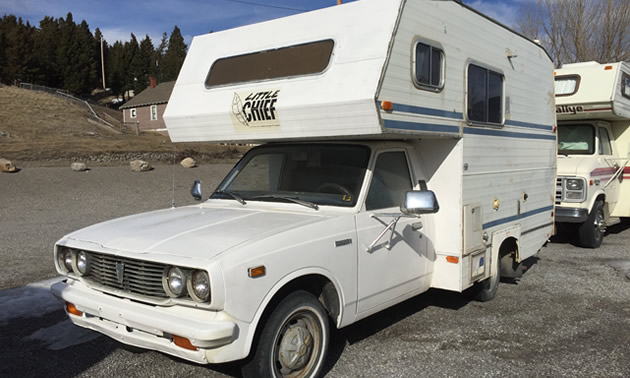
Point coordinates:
[(117, 19)]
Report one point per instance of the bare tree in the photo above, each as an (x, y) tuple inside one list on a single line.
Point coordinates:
[(579, 30)]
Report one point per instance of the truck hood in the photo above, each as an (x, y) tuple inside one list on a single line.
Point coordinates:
[(572, 165), (197, 232)]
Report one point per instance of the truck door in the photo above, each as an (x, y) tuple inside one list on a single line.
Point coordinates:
[(607, 158), (389, 270)]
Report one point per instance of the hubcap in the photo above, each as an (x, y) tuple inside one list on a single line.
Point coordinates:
[(298, 345), (598, 224)]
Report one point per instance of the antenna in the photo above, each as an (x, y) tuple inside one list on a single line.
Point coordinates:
[(174, 162)]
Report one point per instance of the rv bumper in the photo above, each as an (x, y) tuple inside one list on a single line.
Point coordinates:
[(571, 215), (149, 327)]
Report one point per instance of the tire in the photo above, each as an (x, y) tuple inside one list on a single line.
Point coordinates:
[(487, 289), (293, 342), (591, 233)]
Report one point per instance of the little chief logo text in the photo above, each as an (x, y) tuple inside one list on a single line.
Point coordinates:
[(255, 110)]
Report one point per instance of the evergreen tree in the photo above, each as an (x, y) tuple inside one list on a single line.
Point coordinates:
[(46, 45), (174, 56), (146, 61), (158, 56), (115, 68), (133, 64)]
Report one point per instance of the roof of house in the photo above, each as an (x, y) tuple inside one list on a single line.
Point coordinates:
[(151, 96)]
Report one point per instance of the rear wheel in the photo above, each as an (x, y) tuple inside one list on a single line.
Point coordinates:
[(591, 232), (294, 340), (487, 289)]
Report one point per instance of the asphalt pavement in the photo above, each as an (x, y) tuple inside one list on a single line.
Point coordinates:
[(568, 316)]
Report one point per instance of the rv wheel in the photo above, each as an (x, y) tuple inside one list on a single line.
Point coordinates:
[(592, 231), (487, 289), (293, 341)]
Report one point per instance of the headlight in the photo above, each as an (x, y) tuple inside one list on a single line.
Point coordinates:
[(82, 263), (199, 286), (574, 184), (65, 258), (174, 282)]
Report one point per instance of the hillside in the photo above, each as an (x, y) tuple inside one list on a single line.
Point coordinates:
[(42, 129)]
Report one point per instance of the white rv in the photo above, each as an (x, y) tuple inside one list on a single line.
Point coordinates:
[(405, 145), (593, 112)]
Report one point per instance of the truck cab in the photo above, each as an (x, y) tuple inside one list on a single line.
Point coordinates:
[(592, 148)]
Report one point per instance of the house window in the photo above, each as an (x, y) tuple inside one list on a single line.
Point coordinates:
[(428, 63), (154, 114), (485, 95), (291, 61), (566, 85), (132, 113), (625, 85)]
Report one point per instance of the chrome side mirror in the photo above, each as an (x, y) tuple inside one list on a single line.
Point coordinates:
[(195, 191), (419, 202)]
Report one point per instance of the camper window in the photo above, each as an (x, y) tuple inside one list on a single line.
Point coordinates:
[(566, 85), (576, 139), (428, 62), (604, 142), (625, 85), (485, 95), (291, 61)]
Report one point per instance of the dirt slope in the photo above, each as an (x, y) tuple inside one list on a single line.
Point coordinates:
[(38, 128)]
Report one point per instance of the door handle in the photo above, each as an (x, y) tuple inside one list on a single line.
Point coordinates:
[(417, 226)]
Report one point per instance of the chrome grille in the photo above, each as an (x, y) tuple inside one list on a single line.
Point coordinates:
[(138, 277), (558, 191)]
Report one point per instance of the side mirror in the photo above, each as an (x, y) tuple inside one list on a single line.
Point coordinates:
[(195, 191), (419, 202)]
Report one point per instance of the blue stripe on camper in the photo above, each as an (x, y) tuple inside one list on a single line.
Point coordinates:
[(528, 125), (516, 217), (428, 111), (511, 134), (416, 126)]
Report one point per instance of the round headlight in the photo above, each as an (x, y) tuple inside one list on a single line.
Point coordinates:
[(65, 259), (82, 263), (199, 286), (175, 282)]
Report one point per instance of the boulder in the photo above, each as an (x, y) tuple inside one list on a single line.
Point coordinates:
[(79, 167), (6, 166), (140, 166), (188, 163)]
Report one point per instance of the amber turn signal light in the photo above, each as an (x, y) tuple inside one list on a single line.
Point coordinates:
[(452, 259), (388, 106), (183, 342), (72, 309)]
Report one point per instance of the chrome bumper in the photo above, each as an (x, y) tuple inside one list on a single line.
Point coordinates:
[(149, 327)]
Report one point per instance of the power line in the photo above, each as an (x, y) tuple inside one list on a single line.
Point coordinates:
[(270, 6)]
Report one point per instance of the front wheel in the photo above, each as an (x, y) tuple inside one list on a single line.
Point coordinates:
[(591, 232), (294, 340)]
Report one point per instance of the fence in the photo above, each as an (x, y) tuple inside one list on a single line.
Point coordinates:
[(42, 88)]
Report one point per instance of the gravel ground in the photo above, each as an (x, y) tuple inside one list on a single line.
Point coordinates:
[(568, 316)]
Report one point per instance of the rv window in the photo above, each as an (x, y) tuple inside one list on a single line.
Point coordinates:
[(604, 142), (576, 139), (428, 66), (566, 85), (625, 85), (485, 95), (297, 60)]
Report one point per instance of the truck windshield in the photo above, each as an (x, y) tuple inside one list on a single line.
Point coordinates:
[(320, 174), (576, 139)]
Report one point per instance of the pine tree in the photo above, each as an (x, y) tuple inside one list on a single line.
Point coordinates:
[(158, 56), (46, 45), (174, 56), (145, 57)]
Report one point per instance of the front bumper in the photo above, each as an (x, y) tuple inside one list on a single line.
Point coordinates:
[(571, 215), (149, 327)]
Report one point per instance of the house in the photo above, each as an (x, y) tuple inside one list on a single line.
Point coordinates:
[(146, 109)]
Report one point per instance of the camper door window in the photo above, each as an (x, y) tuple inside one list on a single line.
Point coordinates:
[(290, 61), (576, 139), (485, 95), (428, 67)]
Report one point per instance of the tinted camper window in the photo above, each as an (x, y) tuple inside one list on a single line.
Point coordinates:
[(297, 60), (566, 85), (485, 95), (428, 66)]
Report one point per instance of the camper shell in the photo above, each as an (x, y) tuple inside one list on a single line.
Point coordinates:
[(593, 112), (405, 145)]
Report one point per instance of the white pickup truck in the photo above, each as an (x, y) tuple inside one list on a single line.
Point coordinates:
[(422, 159)]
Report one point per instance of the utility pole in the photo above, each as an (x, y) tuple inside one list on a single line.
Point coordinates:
[(103, 63)]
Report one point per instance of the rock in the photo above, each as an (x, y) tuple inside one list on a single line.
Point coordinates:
[(90, 133), (140, 166), (188, 163), (79, 167), (6, 166)]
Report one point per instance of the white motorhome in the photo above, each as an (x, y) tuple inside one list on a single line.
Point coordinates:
[(369, 114), (593, 112)]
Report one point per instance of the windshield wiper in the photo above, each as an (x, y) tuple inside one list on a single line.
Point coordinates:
[(233, 195), (292, 199)]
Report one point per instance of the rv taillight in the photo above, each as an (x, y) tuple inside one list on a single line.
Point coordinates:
[(388, 106), (608, 68)]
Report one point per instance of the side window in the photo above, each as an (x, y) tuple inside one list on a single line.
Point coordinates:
[(604, 142), (154, 113), (566, 85), (625, 85), (390, 181), (485, 95), (428, 66), (132, 113)]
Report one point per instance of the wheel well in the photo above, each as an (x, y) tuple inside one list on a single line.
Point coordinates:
[(509, 257)]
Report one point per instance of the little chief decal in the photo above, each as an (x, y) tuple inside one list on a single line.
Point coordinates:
[(255, 111)]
